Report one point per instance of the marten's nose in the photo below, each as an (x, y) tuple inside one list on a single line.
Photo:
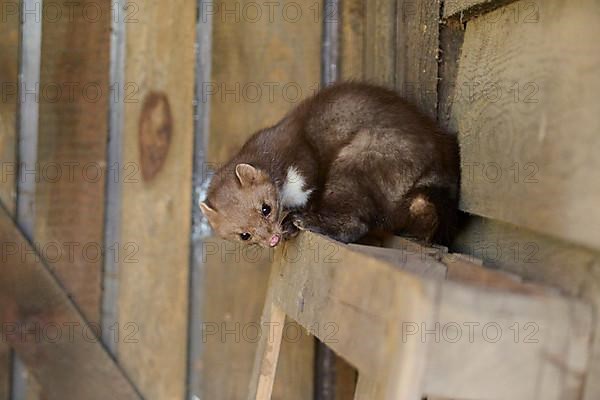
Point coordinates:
[(274, 240)]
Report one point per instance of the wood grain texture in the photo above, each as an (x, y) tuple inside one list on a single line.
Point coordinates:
[(267, 352), (452, 35), (416, 72), (539, 258), (525, 108), (69, 195), (352, 39), (73, 130), (380, 42), (156, 198), (261, 69), (47, 330), (318, 286), (358, 293), (235, 295), (367, 389), (9, 70), (465, 9), (275, 64)]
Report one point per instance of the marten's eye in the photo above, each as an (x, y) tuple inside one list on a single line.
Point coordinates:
[(245, 236), (266, 210)]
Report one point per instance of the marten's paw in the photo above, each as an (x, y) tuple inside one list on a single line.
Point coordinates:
[(288, 227)]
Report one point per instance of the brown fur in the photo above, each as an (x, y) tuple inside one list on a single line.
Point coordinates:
[(372, 161)]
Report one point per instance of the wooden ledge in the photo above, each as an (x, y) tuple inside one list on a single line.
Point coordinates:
[(413, 334)]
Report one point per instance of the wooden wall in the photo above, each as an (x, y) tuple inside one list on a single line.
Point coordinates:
[(262, 67), (515, 80), (156, 203)]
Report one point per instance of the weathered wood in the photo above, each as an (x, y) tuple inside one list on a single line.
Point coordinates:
[(9, 72), (452, 34), (543, 354), (257, 84), (415, 260), (256, 79), (352, 39), (537, 354), (73, 103), (47, 330), (366, 389), (417, 53), (9, 76), (156, 196), (466, 9), (73, 131), (380, 41), (525, 107), (341, 301), (267, 352), (238, 287), (346, 377), (543, 259)]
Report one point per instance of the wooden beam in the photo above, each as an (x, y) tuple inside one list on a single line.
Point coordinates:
[(417, 327), (47, 330), (267, 351), (156, 195), (542, 259), (343, 296), (525, 111)]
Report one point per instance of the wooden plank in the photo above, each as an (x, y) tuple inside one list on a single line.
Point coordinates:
[(346, 377), (352, 39), (73, 131), (256, 79), (452, 33), (257, 84), (267, 352), (465, 9), (542, 355), (528, 126), (537, 354), (156, 200), (69, 189), (235, 295), (417, 53), (380, 42), (416, 261), (9, 76), (47, 330), (320, 287), (366, 389), (543, 259)]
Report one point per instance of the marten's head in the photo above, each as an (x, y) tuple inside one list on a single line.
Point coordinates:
[(243, 205)]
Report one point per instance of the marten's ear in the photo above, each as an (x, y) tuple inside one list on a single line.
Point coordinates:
[(247, 174), (210, 213)]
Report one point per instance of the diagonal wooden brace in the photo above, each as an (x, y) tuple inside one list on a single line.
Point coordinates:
[(46, 329)]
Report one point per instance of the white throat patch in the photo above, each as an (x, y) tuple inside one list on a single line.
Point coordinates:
[(293, 194)]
